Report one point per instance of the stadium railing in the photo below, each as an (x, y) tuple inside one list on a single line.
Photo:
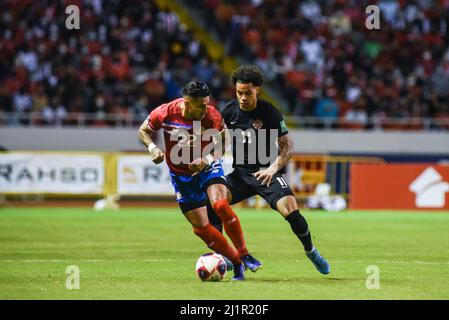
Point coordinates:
[(36, 119), (372, 123)]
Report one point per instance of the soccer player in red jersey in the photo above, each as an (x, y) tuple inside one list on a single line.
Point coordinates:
[(198, 176)]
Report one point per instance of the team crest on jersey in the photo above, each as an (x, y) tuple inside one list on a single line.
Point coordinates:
[(257, 124)]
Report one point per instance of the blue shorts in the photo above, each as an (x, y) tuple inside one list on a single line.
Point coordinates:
[(191, 189)]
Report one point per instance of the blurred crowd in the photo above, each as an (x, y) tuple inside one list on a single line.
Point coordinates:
[(130, 56), (322, 58), (126, 59)]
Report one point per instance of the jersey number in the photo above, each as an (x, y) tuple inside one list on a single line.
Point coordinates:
[(282, 182), (187, 140)]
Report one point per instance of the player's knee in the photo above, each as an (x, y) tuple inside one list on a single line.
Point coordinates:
[(220, 207), (217, 191), (229, 196), (286, 205)]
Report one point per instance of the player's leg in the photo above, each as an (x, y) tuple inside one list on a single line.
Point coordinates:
[(211, 236), (217, 194), (214, 219), (281, 198), (237, 191), (215, 184), (288, 208), (191, 198)]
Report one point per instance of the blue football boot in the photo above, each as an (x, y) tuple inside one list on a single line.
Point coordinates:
[(320, 263), (239, 272), (251, 263)]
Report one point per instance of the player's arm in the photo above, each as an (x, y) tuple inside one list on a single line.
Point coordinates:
[(285, 153), (145, 134), (214, 151), (285, 149), (217, 147)]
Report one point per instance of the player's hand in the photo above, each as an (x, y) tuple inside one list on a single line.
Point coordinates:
[(198, 165), (265, 176), (157, 155)]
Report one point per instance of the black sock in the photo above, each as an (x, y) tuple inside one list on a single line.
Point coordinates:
[(301, 229), (214, 220)]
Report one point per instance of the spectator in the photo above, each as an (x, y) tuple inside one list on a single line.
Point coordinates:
[(357, 114), (333, 43), (55, 113), (123, 53), (327, 108), (340, 23), (22, 101)]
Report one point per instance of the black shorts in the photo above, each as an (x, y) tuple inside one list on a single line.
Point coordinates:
[(243, 185)]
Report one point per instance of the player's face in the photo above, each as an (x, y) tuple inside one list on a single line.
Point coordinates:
[(195, 108), (246, 95)]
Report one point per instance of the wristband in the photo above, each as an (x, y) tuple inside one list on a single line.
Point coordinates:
[(151, 147), (210, 159)]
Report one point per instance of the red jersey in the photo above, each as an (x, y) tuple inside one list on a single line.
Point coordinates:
[(169, 118)]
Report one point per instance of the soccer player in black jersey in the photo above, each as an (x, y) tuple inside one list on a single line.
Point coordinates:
[(252, 123)]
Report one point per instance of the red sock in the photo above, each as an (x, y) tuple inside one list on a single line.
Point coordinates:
[(231, 225), (217, 242)]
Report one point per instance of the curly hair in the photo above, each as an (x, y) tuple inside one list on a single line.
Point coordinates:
[(196, 89), (247, 74)]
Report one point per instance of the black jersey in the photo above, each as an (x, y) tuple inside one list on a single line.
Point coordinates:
[(254, 133)]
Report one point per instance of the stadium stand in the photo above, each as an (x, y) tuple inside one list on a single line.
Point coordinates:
[(127, 58), (329, 65), (130, 56)]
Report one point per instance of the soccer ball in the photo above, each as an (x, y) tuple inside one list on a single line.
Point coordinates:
[(211, 267)]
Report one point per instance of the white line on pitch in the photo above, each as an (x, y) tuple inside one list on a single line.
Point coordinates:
[(387, 261), (165, 260), (87, 260)]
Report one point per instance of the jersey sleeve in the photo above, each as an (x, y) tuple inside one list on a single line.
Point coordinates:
[(156, 118), (217, 120), (278, 122), (224, 111)]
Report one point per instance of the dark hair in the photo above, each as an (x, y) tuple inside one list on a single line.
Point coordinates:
[(247, 74), (196, 89)]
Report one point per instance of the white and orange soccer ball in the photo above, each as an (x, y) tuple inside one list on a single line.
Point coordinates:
[(211, 267)]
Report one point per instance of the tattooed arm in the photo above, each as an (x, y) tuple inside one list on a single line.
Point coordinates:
[(285, 153)]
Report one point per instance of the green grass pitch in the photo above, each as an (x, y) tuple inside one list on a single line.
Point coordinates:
[(151, 253)]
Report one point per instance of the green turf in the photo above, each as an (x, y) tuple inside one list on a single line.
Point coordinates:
[(151, 253)]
